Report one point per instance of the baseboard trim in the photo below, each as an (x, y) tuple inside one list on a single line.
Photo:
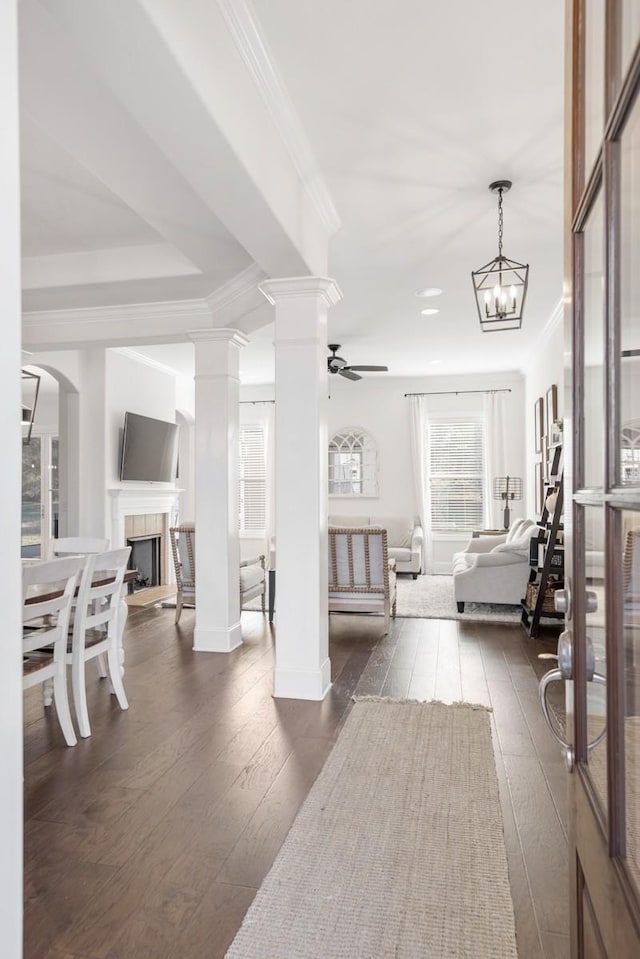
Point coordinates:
[(207, 639), (302, 684)]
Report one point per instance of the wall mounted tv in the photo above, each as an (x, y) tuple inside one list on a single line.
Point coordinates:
[(149, 449)]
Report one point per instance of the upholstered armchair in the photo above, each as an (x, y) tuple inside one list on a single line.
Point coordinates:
[(183, 540), (494, 569), (404, 538), (362, 578)]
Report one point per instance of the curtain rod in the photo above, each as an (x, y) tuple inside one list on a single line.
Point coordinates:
[(456, 392), (254, 402)]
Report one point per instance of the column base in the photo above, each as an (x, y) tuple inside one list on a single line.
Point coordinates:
[(302, 684), (207, 639)]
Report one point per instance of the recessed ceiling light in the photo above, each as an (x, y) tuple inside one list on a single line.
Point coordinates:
[(430, 291), (435, 362), (430, 311)]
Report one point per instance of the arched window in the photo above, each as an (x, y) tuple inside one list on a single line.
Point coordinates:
[(353, 463)]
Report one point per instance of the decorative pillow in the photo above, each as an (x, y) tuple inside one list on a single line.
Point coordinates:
[(514, 530)]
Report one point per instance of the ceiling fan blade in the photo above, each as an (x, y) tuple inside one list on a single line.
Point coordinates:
[(346, 372), (370, 369)]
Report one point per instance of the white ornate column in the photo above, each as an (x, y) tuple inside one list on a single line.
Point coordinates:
[(303, 670), (217, 394)]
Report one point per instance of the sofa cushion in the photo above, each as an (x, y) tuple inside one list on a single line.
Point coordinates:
[(401, 554), (399, 529), (340, 521)]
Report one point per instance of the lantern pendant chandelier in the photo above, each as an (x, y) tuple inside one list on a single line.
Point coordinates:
[(500, 286)]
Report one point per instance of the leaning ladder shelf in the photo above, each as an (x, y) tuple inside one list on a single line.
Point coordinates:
[(546, 545)]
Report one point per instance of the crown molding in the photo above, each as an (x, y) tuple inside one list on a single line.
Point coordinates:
[(555, 319), (247, 281), (107, 314), (146, 360), (252, 46)]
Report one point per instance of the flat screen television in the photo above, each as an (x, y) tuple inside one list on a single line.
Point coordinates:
[(149, 449)]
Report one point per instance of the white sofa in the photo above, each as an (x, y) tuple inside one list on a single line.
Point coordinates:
[(404, 536), (494, 569)]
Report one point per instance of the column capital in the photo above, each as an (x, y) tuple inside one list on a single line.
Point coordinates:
[(299, 286), (233, 337)]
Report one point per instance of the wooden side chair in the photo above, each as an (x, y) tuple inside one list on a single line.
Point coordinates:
[(46, 624), (183, 548), (362, 578), (96, 629)]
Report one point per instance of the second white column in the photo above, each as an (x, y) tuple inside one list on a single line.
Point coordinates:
[(303, 669), (217, 394)]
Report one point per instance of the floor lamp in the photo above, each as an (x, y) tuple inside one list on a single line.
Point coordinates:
[(507, 488)]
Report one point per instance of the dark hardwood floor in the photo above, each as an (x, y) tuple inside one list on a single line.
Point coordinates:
[(150, 839)]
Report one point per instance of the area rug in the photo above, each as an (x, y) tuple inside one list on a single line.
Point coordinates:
[(431, 597), (398, 850)]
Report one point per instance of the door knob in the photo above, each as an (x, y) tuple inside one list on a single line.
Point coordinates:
[(591, 601), (562, 673), (562, 601)]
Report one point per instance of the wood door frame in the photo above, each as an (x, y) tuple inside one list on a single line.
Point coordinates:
[(599, 878)]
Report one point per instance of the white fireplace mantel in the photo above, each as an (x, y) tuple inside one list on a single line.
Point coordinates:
[(137, 501)]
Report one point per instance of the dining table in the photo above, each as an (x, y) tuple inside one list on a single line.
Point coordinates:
[(40, 596)]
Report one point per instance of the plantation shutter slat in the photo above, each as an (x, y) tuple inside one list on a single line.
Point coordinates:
[(456, 475), (252, 480)]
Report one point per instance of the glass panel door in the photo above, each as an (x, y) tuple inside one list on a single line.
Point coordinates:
[(32, 497), (631, 628), (594, 12)]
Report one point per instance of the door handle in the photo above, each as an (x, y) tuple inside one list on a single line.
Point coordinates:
[(564, 672)]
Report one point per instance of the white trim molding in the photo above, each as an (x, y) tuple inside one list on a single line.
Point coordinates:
[(294, 286), (253, 48)]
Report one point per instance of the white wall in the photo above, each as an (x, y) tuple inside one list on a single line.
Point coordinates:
[(378, 405), (108, 383), (10, 580), (545, 367)]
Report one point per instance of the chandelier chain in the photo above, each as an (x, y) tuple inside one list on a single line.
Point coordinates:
[(500, 222)]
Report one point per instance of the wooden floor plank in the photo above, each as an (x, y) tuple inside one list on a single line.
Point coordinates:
[(150, 838)]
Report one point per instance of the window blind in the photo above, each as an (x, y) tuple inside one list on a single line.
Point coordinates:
[(252, 480), (456, 474)]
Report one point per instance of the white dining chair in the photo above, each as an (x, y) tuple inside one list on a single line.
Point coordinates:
[(46, 624), (96, 629), (76, 545)]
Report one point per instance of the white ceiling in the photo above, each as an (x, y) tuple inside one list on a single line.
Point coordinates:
[(411, 109)]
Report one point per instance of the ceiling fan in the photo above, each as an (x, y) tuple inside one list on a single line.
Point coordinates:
[(336, 364)]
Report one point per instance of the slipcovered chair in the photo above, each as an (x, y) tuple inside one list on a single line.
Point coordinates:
[(183, 543), (362, 578), (494, 569)]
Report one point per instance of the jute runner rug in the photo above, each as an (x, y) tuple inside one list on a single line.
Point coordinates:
[(398, 851)]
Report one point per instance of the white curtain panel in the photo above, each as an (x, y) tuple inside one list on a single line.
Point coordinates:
[(495, 456), (419, 422), (269, 472)]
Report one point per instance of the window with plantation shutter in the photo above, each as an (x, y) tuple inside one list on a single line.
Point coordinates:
[(455, 474), (252, 479)]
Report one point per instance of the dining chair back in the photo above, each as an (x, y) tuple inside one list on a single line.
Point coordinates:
[(46, 624), (75, 545), (95, 627)]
